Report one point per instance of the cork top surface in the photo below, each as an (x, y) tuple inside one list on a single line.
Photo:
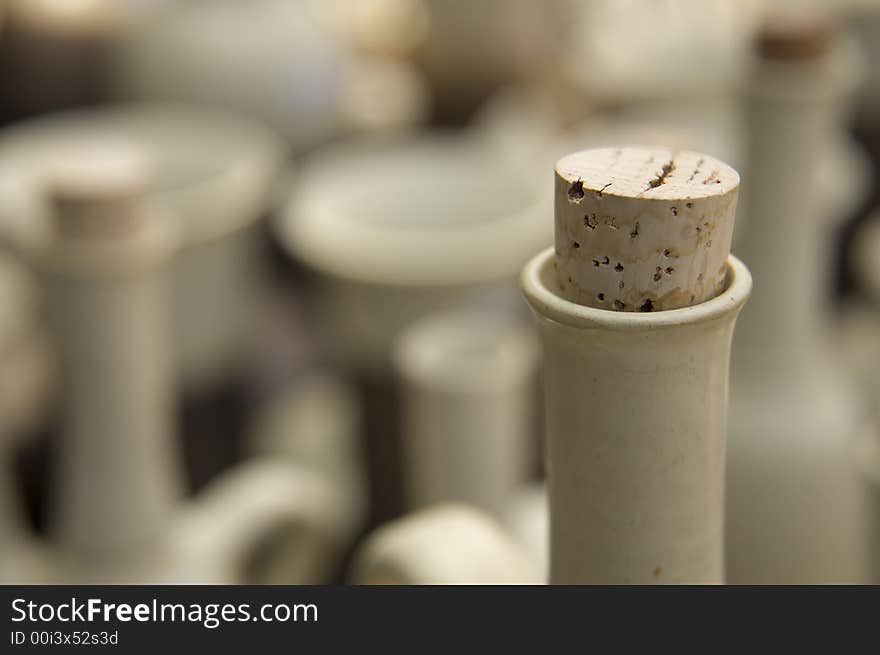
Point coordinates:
[(649, 173), (98, 190)]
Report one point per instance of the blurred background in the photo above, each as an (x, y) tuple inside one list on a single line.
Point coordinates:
[(259, 311)]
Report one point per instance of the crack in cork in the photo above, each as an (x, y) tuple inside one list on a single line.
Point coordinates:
[(661, 177), (712, 178), (695, 173)]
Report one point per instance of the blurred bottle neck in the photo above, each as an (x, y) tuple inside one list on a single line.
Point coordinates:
[(786, 240)]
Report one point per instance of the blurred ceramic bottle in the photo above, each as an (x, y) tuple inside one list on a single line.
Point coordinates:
[(468, 381), (118, 513), (794, 513), (117, 479)]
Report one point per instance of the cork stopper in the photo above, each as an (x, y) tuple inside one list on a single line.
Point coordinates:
[(795, 35), (98, 191), (643, 229)]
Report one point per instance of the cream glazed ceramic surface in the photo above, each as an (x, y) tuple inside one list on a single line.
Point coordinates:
[(795, 512), (469, 379), (398, 229), (635, 418), (448, 543), (214, 175), (118, 512)]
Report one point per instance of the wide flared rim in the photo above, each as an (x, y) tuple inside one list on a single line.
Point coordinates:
[(321, 227), (228, 164), (538, 282)]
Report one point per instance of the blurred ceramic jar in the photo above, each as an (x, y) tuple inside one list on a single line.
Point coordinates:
[(271, 60), (469, 385), (215, 174), (398, 229), (692, 51), (465, 49), (26, 383), (652, 69), (445, 544), (794, 510), (117, 511)]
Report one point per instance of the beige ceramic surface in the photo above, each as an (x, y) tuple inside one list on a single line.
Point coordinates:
[(635, 427), (468, 380), (444, 544)]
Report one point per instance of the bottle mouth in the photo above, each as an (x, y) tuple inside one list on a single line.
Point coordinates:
[(539, 285)]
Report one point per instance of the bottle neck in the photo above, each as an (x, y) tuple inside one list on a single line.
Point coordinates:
[(117, 469), (785, 240)]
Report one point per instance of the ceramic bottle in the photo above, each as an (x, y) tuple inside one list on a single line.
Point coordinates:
[(117, 508), (636, 306), (794, 512), (214, 174), (117, 480), (468, 384)]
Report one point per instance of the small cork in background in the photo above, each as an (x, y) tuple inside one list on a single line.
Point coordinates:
[(643, 229), (98, 191), (795, 35)]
